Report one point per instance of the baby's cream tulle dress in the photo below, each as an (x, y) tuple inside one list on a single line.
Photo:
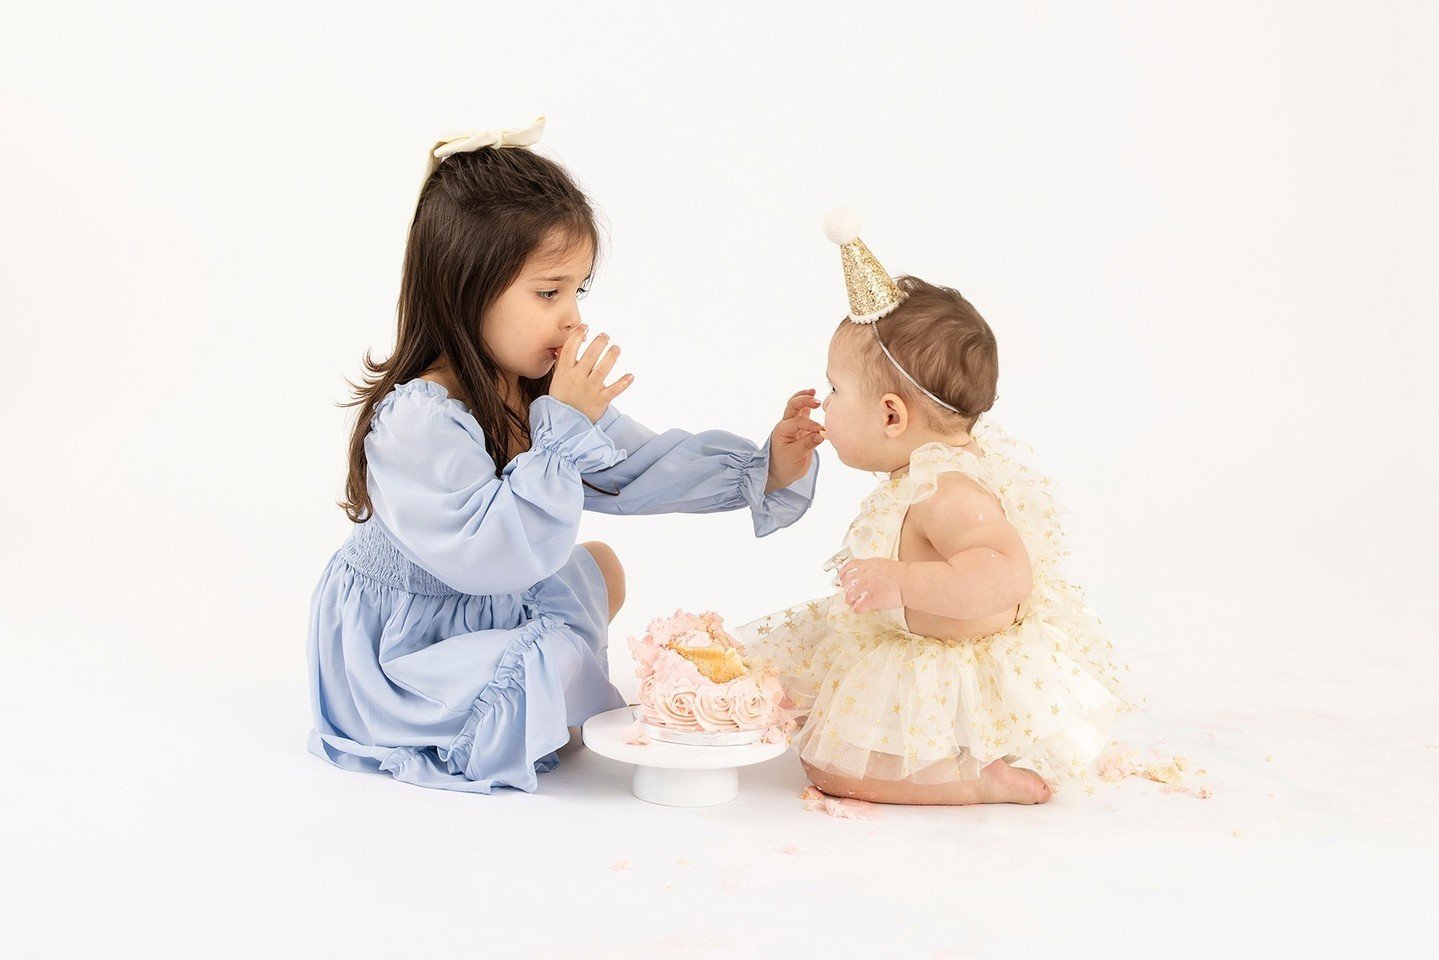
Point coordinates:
[(871, 699)]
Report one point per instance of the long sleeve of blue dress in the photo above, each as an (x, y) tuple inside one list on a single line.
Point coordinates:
[(680, 472), (460, 631), (434, 489)]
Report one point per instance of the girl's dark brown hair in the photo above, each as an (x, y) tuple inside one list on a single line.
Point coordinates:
[(480, 216)]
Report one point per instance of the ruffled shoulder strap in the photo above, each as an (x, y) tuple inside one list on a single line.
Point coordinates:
[(1025, 494)]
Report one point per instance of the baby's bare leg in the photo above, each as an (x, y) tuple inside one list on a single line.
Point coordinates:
[(997, 783)]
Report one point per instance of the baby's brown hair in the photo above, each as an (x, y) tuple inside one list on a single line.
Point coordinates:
[(941, 340)]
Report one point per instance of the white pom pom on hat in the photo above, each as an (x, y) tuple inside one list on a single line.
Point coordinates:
[(841, 225), (872, 293)]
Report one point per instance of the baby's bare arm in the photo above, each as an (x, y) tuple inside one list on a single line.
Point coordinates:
[(987, 570)]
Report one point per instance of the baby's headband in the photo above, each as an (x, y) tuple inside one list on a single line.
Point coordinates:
[(872, 292), (471, 140)]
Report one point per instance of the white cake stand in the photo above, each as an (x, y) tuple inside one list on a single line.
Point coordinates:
[(675, 774)]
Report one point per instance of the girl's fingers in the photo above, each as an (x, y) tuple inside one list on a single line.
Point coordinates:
[(799, 428), (617, 388), (572, 345), (593, 352), (804, 400), (602, 369)]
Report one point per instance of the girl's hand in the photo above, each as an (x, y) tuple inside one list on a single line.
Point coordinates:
[(871, 584), (791, 445), (580, 380)]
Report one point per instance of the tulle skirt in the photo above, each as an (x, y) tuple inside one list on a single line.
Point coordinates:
[(871, 700)]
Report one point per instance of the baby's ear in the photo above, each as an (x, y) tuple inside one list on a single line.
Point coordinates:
[(896, 415)]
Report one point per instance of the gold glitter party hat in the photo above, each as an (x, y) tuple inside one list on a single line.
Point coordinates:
[(872, 293)]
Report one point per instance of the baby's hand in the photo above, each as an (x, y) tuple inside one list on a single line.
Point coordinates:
[(871, 584), (791, 445)]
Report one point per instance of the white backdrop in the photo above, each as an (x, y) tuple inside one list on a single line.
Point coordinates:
[(1204, 237)]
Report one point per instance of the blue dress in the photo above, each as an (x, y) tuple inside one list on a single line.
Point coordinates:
[(460, 630)]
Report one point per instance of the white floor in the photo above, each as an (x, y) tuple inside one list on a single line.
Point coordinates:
[(1205, 237), (127, 833)]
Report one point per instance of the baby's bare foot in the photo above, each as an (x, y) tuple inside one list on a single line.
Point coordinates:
[(1005, 784)]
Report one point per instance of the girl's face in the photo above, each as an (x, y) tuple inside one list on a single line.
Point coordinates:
[(524, 329), (855, 422)]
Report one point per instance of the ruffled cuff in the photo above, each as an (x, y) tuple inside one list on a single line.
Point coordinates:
[(784, 506), (563, 432)]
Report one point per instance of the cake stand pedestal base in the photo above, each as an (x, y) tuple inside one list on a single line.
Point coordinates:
[(686, 788), (675, 774)]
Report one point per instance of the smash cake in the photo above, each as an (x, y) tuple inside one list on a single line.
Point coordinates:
[(698, 687)]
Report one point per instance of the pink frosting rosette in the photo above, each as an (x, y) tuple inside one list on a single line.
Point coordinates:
[(753, 709), (647, 698), (714, 708), (675, 702)]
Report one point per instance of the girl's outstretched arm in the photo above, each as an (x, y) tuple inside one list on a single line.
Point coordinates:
[(434, 489), (706, 472)]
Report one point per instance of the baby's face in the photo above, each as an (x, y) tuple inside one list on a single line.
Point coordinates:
[(525, 328), (854, 420)]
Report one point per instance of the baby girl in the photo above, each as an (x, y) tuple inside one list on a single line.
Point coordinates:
[(953, 665)]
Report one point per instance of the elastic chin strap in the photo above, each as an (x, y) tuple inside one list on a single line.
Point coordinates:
[(905, 373)]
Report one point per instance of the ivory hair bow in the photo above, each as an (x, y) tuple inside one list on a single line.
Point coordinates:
[(478, 140)]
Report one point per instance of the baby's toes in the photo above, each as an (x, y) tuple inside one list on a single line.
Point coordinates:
[(1039, 791)]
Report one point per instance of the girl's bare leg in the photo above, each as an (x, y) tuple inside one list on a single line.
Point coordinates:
[(609, 564)]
